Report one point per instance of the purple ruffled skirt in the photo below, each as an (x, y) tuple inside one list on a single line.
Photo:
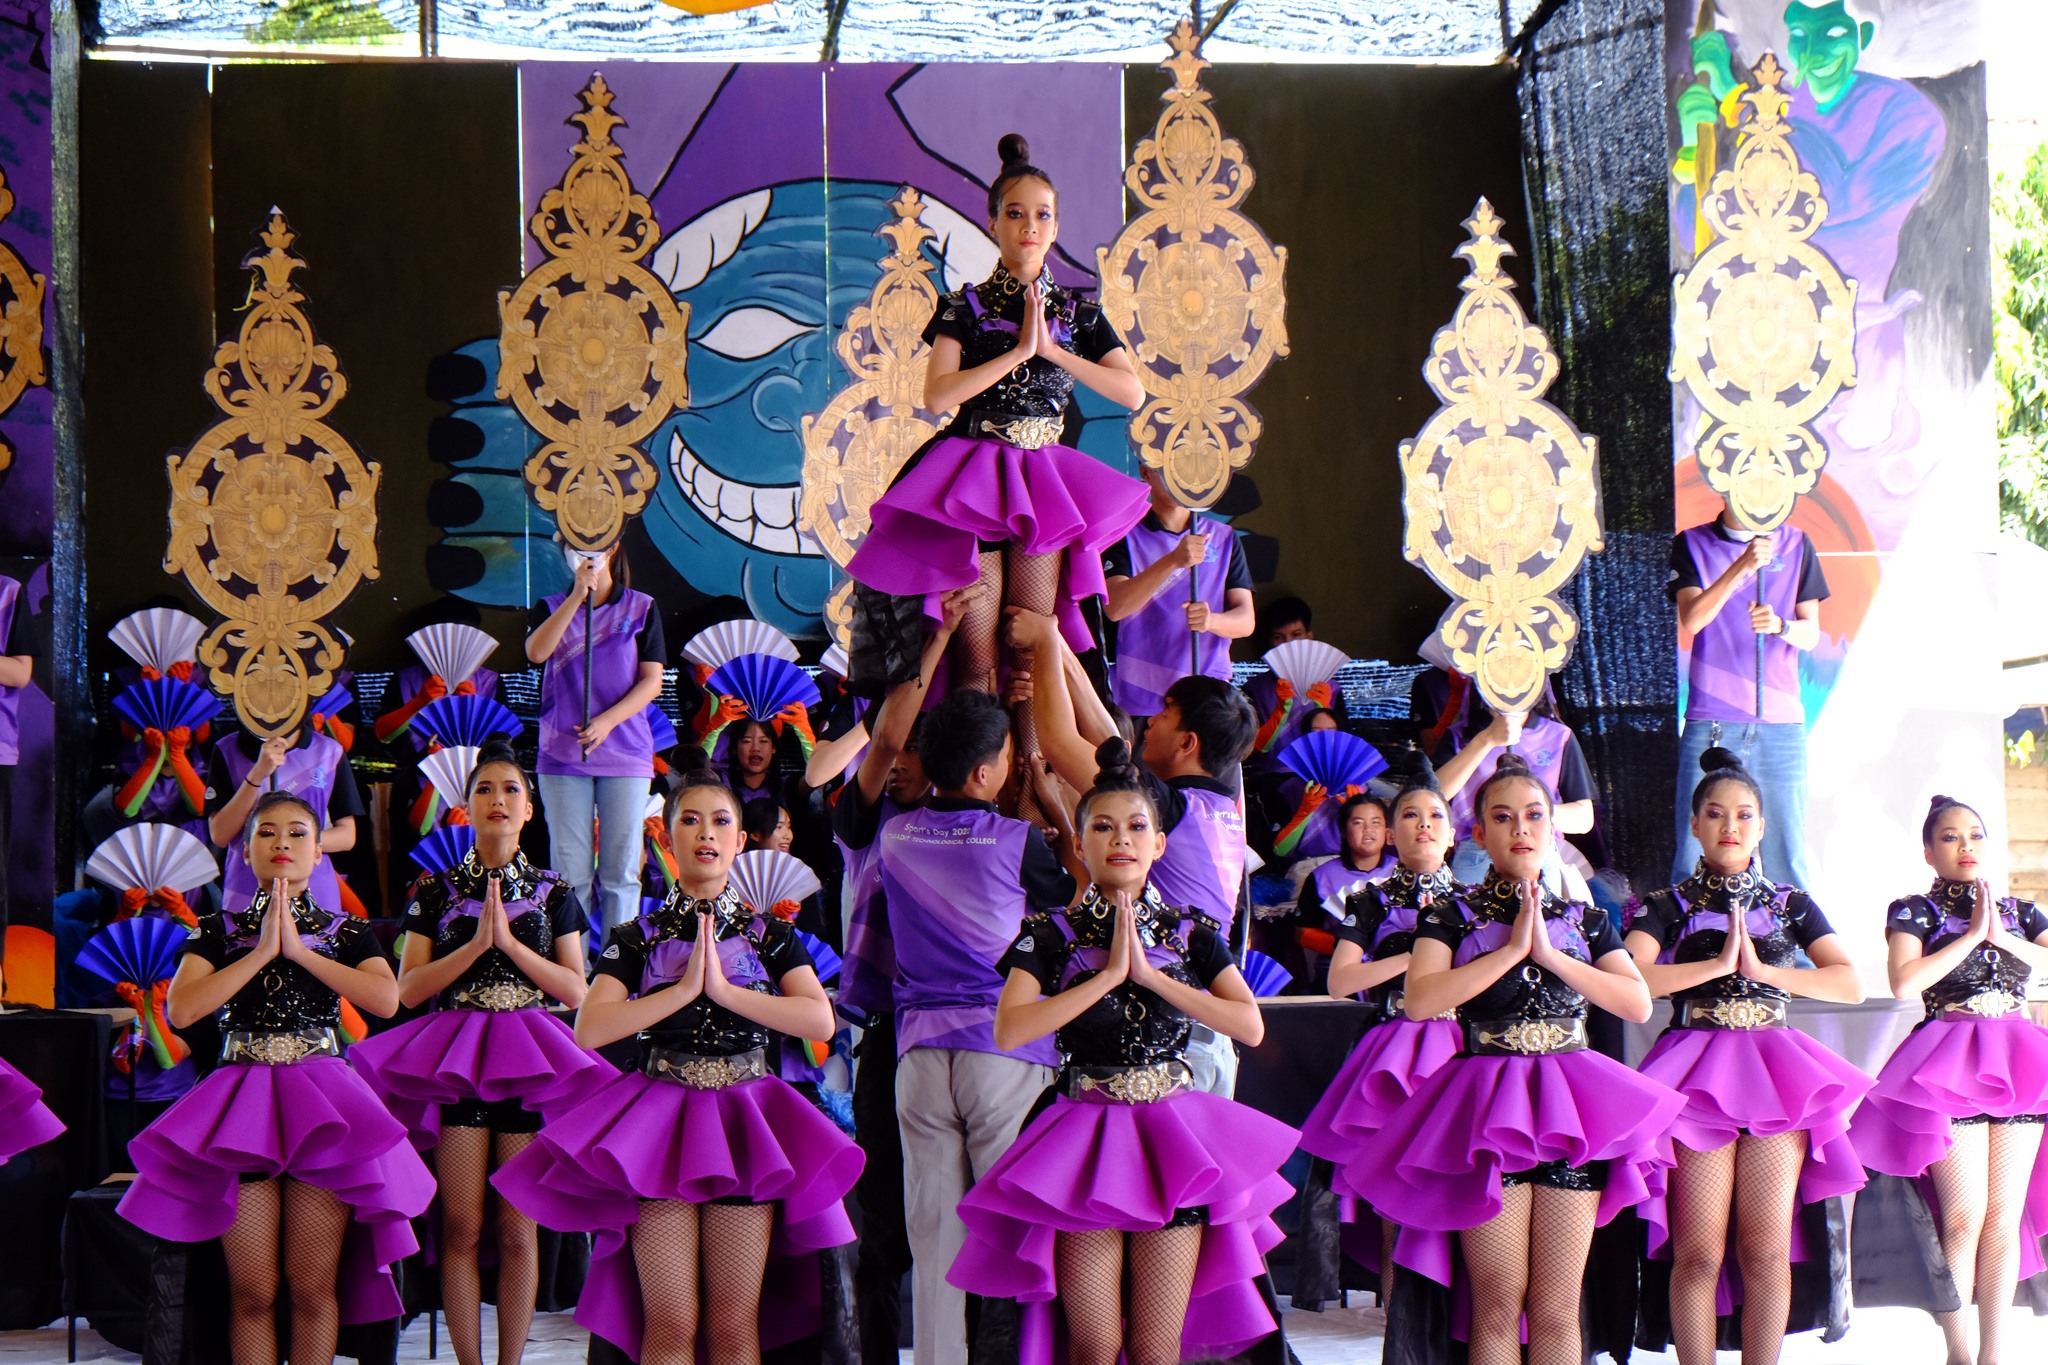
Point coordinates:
[(453, 1056), (1479, 1118), (958, 493), (25, 1121), (635, 1138), (312, 1121), (1376, 1080), (1088, 1165)]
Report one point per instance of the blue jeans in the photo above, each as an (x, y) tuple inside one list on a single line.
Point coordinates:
[(619, 806), (1776, 757)]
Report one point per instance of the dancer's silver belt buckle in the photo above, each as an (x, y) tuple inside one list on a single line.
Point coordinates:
[(1985, 1005), (1739, 1013), (1131, 1084), (1525, 1037), (1025, 433), (278, 1049), (705, 1073), (500, 997)]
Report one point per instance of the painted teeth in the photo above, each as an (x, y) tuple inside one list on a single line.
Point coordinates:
[(760, 515)]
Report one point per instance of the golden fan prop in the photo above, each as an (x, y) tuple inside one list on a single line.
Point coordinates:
[(21, 328), (273, 513), (1501, 492)]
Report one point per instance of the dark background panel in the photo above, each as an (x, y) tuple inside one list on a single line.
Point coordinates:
[(1365, 175)]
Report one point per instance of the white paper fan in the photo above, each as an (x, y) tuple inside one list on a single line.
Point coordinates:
[(159, 637), (1252, 861), (766, 876), (835, 662), (657, 806), (449, 769), (452, 652), (730, 639), (152, 856), (1305, 662)]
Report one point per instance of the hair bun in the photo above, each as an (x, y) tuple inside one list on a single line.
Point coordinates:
[(1941, 803), (1013, 150), (1719, 760), (1113, 761), (496, 749), (1512, 764)]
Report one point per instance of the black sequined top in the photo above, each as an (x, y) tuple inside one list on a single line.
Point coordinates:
[(539, 906), (1482, 920), (1130, 1026), (1941, 916), (284, 997), (1381, 917), (984, 319), (1690, 923), (650, 954)]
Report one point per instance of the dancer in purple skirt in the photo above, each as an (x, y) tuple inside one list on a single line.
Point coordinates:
[(282, 1152), (1526, 1140), (1132, 1176), (1375, 942), (996, 497), (690, 1168), (1766, 1120), (25, 1121), (489, 941), (1961, 1102)]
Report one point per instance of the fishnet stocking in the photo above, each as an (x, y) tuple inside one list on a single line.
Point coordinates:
[(251, 1247), (518, 1263), (1702, 1194), (461, 1169), (975, 644), (314, 1221), (1033, 583), (735, 1260), (2013, 1149), (1961, 1183), (1089, 1268), (665, 1252), (1162, 1277), (1560, 1237), (1389, 1231), (1766, 1195), (1497, 1259)]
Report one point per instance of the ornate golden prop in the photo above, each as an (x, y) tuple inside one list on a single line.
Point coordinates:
[(273, 513), (1500, 490), (1195, 289), (839, 615), (874, 425), (21, 327), (592, 346), (1763, 328)]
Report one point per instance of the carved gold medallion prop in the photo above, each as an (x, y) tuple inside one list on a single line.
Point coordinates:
[(1195, 289), (273, 513), (1763, 329), (874, 425), (591, 346), (1500, 490), (21, 327)]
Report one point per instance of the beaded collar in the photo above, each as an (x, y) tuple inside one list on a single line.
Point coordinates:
[(1748, 887), (1094, 919), (517, 880)]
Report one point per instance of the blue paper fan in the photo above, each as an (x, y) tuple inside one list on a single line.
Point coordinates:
[(1265, 976), (466, 721), (330, 702), (822, 956), (144, 949), (1334, 759), (166, 704), (661, 728), (765, 684), (444, 848)]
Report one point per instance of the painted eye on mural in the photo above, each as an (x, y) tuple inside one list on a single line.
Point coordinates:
[(750, 333)]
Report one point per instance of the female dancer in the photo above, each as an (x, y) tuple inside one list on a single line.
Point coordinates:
[(1374, 945), (1132, 1174), (684, 1168), (489, 941), (600, 646), (1766, 1119), (1962, 1099), (276, 1150), (995, 497), (1525, 1141)]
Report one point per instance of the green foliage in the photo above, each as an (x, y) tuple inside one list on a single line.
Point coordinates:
[(308, 23), (2019, 287)]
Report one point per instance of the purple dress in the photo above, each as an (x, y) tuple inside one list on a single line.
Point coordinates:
[(25, 1121), (1105, 1156), (996, 475), (490, 1040), (700, 1120), (311, 1120)]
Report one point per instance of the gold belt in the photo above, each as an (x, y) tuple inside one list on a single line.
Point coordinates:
[(1025, 433), (1985, 1005), (1129, 1084), (1524, 1037), (705, 1073), (1740, 1013), (499, 997), (278, 1049)]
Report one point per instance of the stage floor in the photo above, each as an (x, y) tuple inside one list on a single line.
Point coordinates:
[(1348, 1336)]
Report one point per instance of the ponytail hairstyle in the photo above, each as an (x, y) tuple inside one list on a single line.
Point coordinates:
[(269, 802), (692, 771), (1116, 770), (1513, 767), (1938, 807), (1720, 766), (496, 750), (1015, 153)]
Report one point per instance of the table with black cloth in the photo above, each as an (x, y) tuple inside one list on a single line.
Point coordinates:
[(65, 1053)]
